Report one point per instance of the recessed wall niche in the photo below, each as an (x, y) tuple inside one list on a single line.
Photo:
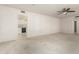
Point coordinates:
[(22, 23)]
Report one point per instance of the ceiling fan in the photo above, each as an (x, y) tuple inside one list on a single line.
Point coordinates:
[(65, 11), (76, 16)]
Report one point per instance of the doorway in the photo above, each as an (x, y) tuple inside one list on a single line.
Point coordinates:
[(76, 26)]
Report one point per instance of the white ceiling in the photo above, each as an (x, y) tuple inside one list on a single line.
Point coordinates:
[(48, 9)]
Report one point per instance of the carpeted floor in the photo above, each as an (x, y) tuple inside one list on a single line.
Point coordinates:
[(47, 44)]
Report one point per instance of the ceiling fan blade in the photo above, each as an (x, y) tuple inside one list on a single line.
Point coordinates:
[(68, 9), (76, 16), (71, 11)]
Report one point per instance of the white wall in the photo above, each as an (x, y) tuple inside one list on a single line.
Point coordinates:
[(41, 25), (67, 25), (37, 24), (8, 23)]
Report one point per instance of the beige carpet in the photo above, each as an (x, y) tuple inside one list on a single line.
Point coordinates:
[(54, 43)]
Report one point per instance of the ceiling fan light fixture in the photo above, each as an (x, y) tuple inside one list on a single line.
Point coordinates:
[(65, 13)]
